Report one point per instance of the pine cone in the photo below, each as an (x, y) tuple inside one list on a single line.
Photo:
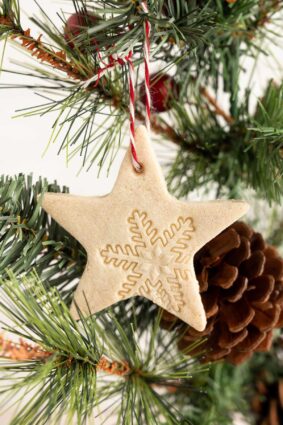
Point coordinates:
[(241, 285), (267, 403)]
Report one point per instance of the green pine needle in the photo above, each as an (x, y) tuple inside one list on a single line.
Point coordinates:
[(68, 382), (30, 239), (235, 157)]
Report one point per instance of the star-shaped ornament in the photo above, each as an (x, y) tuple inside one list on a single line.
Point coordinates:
[(140, 240)]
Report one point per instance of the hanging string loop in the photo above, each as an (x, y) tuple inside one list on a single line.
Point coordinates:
[(113, 61)]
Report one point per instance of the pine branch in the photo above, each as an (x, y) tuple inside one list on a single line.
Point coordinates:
[(67, 379), (30, 239), (23, 351), (225, 392), (266, 141), (9, 16), (187, 17), (233, 157), (57, 60)]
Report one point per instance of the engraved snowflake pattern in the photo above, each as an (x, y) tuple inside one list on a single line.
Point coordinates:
[(156, 263)]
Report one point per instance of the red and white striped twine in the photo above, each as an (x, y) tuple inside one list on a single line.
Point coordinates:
[(147, 28), (137, 165), (113, 62)]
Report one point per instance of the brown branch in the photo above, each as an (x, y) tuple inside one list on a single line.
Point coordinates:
[(57, 60), (217, 108), (6, 21), (113, 368), (162, 129), (23, 351)]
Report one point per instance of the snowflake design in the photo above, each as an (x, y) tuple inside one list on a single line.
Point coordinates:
[(156, 263)]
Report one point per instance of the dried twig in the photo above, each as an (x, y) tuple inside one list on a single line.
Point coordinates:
[(24, 351), (21, 350), (57, 60), (217, 108)]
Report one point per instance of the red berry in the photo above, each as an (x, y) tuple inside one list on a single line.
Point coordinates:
[(77, 24), (163, 89)]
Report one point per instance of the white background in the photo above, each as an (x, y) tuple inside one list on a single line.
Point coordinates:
[(23, 140)]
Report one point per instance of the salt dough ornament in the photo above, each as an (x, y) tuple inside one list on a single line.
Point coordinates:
[(140, 240)]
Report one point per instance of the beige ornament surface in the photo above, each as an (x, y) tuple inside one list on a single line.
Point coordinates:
[(140, 240)]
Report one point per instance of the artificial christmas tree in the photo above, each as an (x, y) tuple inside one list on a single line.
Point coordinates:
[(177, 67)]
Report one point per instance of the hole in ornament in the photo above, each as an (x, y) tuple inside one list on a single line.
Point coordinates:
[(140, 169)]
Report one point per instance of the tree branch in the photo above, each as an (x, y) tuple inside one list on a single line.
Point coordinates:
[(23, 351), (58, 60), (217, 108)]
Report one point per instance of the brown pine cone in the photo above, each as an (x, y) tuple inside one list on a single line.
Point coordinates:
[(241, 285)]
